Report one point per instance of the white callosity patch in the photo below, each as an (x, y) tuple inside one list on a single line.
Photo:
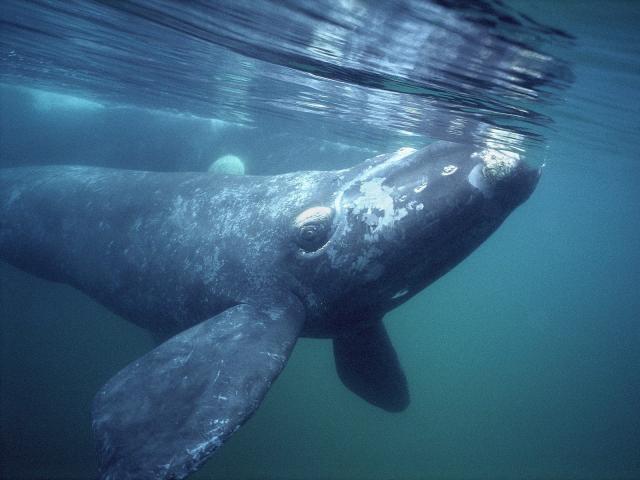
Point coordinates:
[(422, 186), (373, 171), (498, 164), (478, 180), (449, 170), (414, 205), (375, 205)]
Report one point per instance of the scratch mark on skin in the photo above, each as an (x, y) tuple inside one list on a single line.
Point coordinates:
[(15, 195), (274, 356), (400, 293)]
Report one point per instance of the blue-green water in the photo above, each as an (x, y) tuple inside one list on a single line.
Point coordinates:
[(523, 362)]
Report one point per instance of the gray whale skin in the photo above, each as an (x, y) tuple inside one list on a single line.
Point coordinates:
[(230, 270)]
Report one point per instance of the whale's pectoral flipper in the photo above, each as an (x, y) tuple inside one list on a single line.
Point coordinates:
[(368, 365), (164, 414)]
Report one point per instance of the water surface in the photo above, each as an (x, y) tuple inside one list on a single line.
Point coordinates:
[(523, 362)]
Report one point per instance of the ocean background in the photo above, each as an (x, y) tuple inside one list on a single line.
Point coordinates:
[(523, 362)]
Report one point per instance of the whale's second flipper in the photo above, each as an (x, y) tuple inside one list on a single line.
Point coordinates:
[(368, 365), (164, 414)]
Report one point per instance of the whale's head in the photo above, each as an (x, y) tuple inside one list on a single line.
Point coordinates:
[(398, 222)]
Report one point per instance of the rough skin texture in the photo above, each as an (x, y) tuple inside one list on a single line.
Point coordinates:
[(230, 270)]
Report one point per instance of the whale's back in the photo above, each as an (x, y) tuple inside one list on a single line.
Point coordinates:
[(120, 236)]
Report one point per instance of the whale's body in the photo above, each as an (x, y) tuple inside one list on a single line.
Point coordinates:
[(231, 270)]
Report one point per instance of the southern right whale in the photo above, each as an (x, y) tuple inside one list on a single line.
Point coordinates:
[(230, 270)]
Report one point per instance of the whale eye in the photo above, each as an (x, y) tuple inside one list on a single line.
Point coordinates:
[(313, 227)]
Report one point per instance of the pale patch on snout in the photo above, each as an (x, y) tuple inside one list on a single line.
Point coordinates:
[(498, 164)]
